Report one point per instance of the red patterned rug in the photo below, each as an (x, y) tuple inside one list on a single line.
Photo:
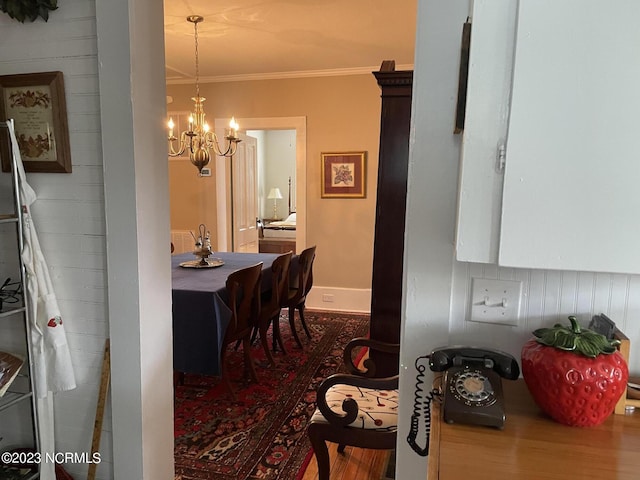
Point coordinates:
[(262, 435)]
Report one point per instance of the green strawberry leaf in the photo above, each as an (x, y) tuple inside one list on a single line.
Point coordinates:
[(575, 339)]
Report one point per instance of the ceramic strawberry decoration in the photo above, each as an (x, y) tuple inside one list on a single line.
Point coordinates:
[(575, 375)]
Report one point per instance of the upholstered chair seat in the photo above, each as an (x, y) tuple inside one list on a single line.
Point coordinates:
[(355, 409)]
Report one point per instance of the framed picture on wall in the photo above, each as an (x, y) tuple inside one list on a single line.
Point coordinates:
[(344, 175), (36, 103)]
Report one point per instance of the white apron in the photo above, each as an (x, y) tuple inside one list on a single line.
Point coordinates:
[(51, 360)]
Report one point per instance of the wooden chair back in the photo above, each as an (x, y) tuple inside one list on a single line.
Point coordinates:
[(271, 304), (353, 393), (279, 281), (243, 288), (303, 281)]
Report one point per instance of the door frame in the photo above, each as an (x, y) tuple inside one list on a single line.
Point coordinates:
[(222, 166)]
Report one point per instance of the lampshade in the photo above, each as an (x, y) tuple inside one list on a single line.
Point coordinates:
[(274, 194)]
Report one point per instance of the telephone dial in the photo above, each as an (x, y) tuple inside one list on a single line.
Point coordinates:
[(472, 388)]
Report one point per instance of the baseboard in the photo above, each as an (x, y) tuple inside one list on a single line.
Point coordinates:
[(356, 300)]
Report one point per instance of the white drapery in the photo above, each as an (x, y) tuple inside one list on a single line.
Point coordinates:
[(51, 360)]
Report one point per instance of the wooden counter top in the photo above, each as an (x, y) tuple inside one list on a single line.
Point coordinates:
[(534, 447)]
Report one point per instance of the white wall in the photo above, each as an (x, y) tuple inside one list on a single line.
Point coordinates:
[(437, 287), (70, 210), (70, 214), (276, 163), (280, 165), (431, 201)]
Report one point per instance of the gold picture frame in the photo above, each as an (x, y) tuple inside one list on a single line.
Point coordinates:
[(344, 175), (36, 103)]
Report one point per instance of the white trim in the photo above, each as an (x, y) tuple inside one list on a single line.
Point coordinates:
[(357, 300), (333, 72), (138, 273)]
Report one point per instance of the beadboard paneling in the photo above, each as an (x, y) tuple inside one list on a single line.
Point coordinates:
[(548, 297)]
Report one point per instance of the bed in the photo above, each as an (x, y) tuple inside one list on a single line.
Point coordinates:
[(279, 236), (281, 229)]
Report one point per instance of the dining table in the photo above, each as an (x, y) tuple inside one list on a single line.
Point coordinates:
[(200, 312)]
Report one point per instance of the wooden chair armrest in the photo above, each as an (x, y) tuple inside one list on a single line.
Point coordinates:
[(349, 405), (369, 364)]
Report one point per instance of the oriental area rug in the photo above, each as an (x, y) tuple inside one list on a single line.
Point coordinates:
[(261, 435)]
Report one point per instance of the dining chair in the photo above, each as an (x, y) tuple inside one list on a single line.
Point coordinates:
[(357, 409), (243, 289), (300, 284), (270, 304)]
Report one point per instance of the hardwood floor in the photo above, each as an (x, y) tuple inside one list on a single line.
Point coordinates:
[(354, 464)]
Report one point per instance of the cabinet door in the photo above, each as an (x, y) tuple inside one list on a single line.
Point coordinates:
[(571, 189), (486, 120)]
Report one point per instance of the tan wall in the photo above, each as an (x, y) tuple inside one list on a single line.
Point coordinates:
[(343, 114)]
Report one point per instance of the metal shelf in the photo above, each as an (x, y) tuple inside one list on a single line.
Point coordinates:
[(8, 311), (8, 219), (9, 473), (11, 398)]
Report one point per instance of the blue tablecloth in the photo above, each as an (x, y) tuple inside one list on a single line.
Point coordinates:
[(200, 315)]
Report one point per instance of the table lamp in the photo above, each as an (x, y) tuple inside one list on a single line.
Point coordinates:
[(275, 195)]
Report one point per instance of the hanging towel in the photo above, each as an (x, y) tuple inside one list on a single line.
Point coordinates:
[(51, 358)]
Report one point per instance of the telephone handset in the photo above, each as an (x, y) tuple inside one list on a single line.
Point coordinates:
[(472, 387)]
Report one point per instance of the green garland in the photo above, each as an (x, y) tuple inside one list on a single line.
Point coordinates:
[(23, 10)]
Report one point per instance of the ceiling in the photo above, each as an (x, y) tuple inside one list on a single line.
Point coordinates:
[(254, 39)]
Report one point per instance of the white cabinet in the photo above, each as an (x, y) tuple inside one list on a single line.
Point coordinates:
[(570, 195), (486, 121)]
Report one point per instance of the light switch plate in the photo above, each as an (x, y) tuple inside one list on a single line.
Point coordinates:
[(495, 301)]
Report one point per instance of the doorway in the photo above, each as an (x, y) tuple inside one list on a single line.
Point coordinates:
[(276, 160), (299, 125)]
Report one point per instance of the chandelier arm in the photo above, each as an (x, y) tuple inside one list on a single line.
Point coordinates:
[(210, 138), (213, 142), (182, 146)]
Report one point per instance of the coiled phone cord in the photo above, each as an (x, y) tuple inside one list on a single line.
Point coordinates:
[(421, 408)]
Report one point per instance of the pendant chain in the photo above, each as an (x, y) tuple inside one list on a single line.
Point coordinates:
[(195, 26)]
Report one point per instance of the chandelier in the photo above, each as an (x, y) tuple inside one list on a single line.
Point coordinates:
[(198, 139)]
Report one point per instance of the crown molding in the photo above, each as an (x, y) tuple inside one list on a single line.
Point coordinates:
[(335, 72)]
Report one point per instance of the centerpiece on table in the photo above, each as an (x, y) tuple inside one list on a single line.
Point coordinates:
[(203, 250), (575, 375)]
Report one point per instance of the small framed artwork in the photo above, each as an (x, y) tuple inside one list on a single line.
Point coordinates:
[(344, 175), (36, 103)]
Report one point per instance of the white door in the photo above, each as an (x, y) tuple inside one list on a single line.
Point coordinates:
[(244, 194)]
